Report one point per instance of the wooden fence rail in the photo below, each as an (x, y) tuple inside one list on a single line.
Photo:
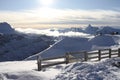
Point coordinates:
[(78, 56)]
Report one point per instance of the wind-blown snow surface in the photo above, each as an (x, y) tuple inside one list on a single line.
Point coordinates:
[(104, 70), (26, 70)]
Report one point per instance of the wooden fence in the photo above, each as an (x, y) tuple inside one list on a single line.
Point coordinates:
[(78, 56)]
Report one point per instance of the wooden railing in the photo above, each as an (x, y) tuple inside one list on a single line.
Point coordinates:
[(43, 63), (78, 56)]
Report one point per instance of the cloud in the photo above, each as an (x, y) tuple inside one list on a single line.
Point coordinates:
[(53, 32), (61, 16)]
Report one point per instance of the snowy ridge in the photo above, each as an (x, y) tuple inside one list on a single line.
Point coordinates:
[(108, 30), (76, 44), (36, 55)]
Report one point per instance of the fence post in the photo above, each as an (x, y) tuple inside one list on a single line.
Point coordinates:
[(99, 55), (67, 58), (85, 56), (39, 63), (118, 52), (109, 53)]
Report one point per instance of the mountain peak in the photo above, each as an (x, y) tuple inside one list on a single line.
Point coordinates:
[(6, 28), (89, 25), (91, 30)]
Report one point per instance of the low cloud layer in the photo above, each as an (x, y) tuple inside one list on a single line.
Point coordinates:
[(52, 32), (64, 16)]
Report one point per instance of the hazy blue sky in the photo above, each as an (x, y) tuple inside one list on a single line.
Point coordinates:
[(70, 4), (40, 12)]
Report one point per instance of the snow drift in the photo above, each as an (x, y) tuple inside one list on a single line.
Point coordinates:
[(104, 70)]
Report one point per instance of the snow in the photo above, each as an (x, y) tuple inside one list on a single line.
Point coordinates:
[(104, 70), (77, 44), (108, 30), (25, 70), (68, 40), (68, 44), (105, 40), (91, 30)]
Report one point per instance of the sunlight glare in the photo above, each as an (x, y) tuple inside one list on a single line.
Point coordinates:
[(46, 2)]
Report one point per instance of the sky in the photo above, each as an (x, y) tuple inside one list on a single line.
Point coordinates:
[(59, 13)]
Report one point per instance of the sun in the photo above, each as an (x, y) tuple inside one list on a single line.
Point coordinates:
[(46, 2)]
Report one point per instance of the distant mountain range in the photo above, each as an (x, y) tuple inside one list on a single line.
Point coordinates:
[(90, 30), (15, 45)]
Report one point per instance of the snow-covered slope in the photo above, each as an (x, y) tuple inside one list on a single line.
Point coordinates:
[(68, 44), (76, 44), (108, 30), (105, 40)]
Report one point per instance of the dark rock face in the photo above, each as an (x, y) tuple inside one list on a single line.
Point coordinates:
[(18, 46), (6, 28)]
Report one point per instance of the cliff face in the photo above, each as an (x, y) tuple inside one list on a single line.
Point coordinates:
[(6, 28)]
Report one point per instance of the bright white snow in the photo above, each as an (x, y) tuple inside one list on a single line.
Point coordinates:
[(104, 70), (27, 70)]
